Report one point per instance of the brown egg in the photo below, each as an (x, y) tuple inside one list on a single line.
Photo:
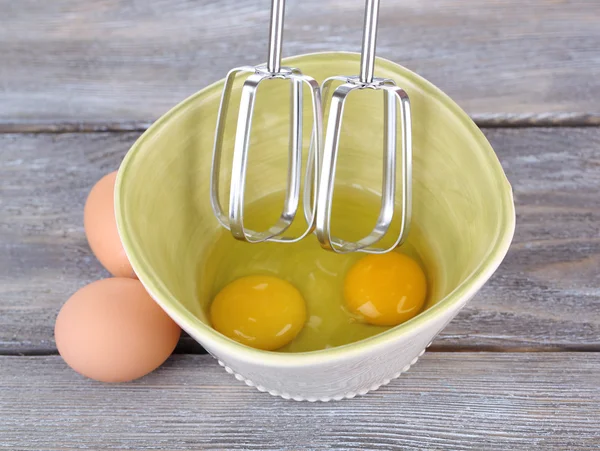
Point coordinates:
[(100, 227), (113, 331)]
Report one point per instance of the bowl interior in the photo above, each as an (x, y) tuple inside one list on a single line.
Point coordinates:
[(463, 215)]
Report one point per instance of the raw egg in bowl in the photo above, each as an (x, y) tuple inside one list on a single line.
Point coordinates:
[(338, 328)]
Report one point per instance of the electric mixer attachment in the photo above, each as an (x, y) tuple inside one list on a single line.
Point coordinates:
[(234, 221), (320, 176), (392, 97)]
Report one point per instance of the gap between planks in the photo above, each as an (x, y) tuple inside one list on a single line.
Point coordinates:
[(190, 347), (492, 120)]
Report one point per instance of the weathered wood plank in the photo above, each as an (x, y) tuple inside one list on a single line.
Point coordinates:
[(546, 289), (117, 60), (545, 295), (459, 401)]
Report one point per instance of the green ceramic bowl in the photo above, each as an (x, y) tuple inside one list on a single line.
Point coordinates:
[(463, 212)]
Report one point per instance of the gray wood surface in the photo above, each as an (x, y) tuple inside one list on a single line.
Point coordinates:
[(110, 61), (459, 401), (545, 296), (79, 82)]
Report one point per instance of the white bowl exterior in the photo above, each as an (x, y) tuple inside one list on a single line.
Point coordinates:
[(342, 377)]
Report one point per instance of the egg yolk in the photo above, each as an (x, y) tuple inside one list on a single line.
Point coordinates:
[(263, 312), (385, 289)]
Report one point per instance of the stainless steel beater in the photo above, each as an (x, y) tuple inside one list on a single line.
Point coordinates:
[(394, 96), (234, 220), (320, 176)]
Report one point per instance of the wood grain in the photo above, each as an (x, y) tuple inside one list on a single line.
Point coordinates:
[(545, 296), (447, 401), (114, 61)]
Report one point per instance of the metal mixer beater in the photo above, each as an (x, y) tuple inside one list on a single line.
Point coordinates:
[(392, 97), (320, 175), (234, 221)]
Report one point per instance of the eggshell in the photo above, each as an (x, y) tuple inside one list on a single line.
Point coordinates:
[(111, 330), (100, 227)]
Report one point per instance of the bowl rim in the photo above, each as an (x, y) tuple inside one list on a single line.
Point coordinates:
[(195, 327)]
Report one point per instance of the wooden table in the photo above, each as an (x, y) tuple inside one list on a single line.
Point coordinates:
[(519, 368)]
